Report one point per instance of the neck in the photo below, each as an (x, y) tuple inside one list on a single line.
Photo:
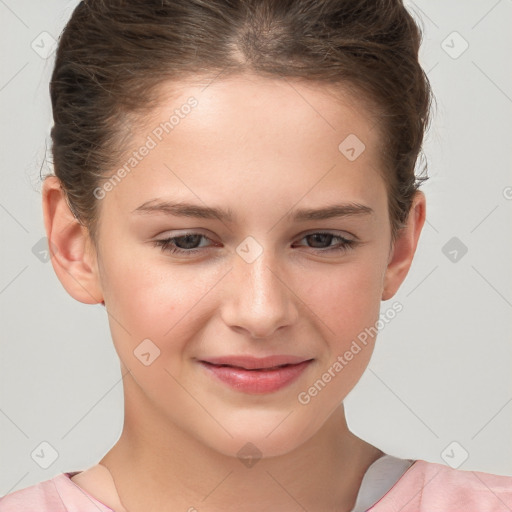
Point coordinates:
[(160, 467)]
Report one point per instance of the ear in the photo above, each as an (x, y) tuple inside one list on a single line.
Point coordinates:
[(72, 252), (404, 247)]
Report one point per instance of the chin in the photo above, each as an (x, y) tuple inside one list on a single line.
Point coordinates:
[(257, 436)]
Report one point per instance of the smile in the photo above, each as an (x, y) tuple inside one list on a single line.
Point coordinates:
[(256, 380)]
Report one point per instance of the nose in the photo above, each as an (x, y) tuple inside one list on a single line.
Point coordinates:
[(260, 298)]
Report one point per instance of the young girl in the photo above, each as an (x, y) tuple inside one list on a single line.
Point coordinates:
[(234, 181)]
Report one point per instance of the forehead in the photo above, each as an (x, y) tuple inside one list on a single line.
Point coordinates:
[(253, 137), (245, 105)]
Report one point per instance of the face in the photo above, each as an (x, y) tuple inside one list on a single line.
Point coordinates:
[(209, 248)]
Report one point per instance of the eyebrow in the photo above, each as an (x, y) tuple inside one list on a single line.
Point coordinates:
[(184, 209)]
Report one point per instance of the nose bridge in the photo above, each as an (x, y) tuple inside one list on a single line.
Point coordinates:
[(259, 301), (259, 279)]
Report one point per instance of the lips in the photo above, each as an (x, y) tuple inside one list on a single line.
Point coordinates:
[(256, 375)]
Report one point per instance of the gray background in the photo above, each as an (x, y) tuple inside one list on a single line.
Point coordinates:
[(438, 386)]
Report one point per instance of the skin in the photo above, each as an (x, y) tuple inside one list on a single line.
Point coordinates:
[(255, 146)]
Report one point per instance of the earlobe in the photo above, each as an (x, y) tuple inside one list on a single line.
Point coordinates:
[(404, 247), (72, 253)]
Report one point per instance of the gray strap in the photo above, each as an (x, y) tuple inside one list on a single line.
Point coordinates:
[(383, 474)]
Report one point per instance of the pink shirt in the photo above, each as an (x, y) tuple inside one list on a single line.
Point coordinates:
[(432, 487), (423, 487)]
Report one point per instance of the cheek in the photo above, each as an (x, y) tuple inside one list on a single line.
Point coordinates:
[(149, 298), (346, 303), (347, 296)]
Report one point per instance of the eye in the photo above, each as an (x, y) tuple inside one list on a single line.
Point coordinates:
[(183, 244), (322, 238)]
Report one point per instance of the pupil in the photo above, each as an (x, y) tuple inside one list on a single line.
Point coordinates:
[(189, 241), (320, 235)]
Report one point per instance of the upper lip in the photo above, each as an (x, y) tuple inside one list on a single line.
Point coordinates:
[(254, 363)]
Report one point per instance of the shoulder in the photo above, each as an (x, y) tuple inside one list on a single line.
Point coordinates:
[(485, 487), (433, 487), (57, 494), (42, 496)]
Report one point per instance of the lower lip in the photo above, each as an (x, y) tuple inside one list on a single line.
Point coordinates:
[(256, 381)]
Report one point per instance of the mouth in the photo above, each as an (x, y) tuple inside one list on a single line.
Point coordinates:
[(256, 376)]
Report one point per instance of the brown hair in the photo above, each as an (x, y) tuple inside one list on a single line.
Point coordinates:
[(113, 54)]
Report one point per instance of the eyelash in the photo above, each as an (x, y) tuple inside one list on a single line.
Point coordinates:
[(166, 243)]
